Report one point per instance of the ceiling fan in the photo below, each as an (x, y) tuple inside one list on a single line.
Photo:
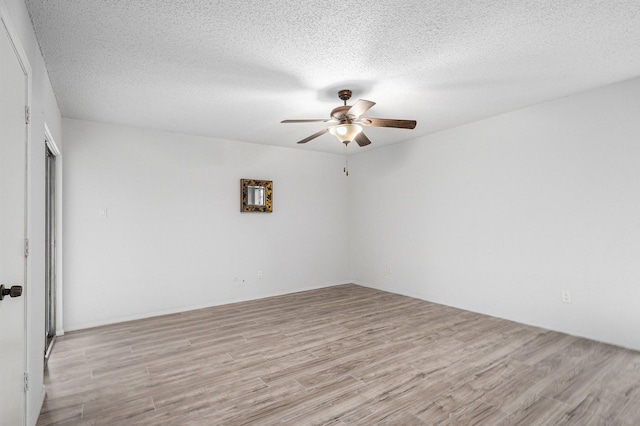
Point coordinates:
[(350, 120)]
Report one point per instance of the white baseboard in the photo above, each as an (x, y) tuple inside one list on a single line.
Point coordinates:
[(92, 324), (534, 322)]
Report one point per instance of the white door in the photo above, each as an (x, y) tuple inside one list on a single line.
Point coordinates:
[(13, 142)]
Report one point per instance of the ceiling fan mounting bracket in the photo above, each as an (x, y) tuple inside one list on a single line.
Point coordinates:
[(345, 95)]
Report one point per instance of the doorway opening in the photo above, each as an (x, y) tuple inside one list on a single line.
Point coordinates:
[(50, 251)]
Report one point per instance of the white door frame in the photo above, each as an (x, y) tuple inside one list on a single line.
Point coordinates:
[(53, 147)]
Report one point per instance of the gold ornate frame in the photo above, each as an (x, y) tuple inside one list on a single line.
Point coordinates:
[(245, 207)]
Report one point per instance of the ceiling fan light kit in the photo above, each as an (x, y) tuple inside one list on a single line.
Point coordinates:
[(345, 132)]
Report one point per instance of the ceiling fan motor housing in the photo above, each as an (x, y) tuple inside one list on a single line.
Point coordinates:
[(340, 114)]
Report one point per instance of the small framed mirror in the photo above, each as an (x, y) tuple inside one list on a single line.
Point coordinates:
[(256, 196)]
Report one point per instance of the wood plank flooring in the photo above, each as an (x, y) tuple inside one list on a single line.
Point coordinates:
[(344, 355)]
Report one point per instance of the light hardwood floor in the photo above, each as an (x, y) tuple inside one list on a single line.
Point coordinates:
[(344, 355)]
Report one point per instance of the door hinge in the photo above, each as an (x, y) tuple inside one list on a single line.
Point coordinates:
[(26, 382), (27, 114), (26, 247)]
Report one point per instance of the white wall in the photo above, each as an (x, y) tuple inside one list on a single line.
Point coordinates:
[(44, 110), (174, 237), (501, 215)]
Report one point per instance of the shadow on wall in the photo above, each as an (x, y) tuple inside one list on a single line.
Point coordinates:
[(386, 161)]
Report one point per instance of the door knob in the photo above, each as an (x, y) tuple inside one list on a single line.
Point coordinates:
[(14, 291)]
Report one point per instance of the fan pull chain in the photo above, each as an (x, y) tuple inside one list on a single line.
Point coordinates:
[(346, 159)]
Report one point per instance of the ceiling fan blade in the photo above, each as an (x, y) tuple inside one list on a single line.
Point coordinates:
[(311, 120), (360, 108), (388, 122), (313, 136), (362, 139)]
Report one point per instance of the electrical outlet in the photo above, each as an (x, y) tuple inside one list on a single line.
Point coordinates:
[(566, 296), (260, 274), (102, 213), (388, 269)]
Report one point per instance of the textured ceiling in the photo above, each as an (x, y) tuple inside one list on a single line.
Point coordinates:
[(235, 69)]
